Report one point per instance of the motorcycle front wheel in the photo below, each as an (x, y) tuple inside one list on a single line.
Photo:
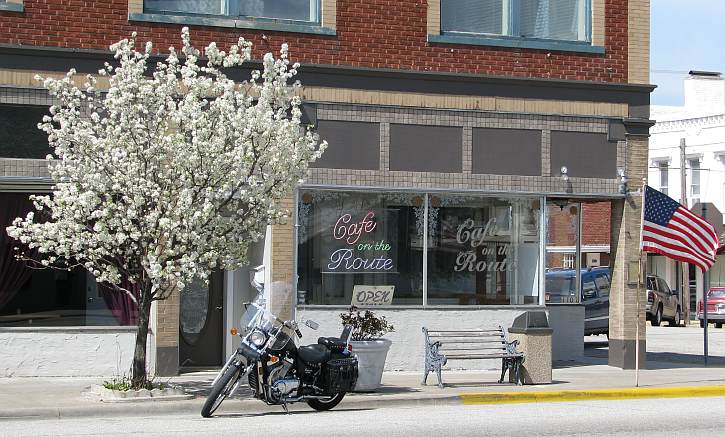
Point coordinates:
[(221, 389), (326, 404)]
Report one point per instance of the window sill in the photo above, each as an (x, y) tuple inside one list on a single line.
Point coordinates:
[(421, 307), (70, 329), (522, 43), (231, 22), (11, 7)]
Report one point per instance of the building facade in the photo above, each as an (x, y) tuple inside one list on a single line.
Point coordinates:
[(692, 134), (458, 132)]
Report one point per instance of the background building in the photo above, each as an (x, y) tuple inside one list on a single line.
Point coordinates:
[(693, 134), (454, 128)]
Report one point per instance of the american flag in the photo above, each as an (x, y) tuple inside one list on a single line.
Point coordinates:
[(672, 230)]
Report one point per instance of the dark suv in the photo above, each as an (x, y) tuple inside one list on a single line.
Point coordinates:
[(561, 288), (662, 303)]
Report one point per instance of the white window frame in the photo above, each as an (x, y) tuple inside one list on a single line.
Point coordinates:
[(510, 23), (694, 197)]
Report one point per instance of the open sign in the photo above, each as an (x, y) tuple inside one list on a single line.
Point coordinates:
[(368, 295)]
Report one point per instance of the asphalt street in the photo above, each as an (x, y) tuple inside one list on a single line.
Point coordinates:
[(651, 417)]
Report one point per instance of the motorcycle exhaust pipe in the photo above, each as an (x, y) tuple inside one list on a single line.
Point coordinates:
[(291, 399)]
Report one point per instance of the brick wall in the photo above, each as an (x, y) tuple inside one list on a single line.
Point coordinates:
[(373, 33), (596, 223)]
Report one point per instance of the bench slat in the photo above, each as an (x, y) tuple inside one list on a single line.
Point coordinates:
[(475, 356), (472, 341)]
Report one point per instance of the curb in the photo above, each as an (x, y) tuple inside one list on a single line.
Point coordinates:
[(239, 407), (234, 407), (609, 394)]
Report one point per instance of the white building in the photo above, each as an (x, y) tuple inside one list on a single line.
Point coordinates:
[(701, 123)]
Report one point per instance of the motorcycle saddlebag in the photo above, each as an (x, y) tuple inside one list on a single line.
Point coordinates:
[(340, 375)]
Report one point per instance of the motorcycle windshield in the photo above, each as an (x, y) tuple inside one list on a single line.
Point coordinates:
[(250, 318)]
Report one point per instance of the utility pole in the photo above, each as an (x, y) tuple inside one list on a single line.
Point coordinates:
[(684, 269)]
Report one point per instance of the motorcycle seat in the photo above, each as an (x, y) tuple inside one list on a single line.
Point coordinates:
[(333, 343), (314, 353)]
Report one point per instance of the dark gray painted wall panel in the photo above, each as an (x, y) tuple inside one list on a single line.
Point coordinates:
[(587, 155), (506, 151), (353, 145), (19, 133), (426, 148)]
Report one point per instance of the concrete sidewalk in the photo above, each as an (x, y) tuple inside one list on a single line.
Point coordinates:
[(63, 397)]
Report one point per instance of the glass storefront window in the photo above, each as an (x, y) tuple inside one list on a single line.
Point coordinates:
[(353, 242), (48, 297), (480, 250), (483, 251), (562, 229)]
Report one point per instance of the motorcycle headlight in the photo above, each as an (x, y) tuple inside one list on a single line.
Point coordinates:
[(257, 338)]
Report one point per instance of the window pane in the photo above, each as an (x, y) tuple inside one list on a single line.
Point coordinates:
[(561, 237), (694, 177), (298, 10), (589, 290), (603, 285), (664, 175), (472, 16), (553, 19), (350, 242), (483, 251), (212, 7), (46, 297)]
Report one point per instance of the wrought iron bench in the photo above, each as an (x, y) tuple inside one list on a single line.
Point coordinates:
[(441, 346)]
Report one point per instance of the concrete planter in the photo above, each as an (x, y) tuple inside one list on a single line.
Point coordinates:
[(371, 356)]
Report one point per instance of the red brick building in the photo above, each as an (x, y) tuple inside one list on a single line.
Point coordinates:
[(458, 124)]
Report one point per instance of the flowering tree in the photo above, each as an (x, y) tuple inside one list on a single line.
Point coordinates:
[(170, 174)]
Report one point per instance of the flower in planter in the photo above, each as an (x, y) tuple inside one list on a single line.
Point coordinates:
[(366, 325)]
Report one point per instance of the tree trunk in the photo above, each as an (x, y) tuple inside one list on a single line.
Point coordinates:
[(139, 376)]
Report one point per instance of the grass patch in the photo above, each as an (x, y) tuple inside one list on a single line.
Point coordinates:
[(123, 383)]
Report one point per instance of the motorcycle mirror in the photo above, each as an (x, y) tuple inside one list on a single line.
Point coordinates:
[(312, 324), (256, 278)]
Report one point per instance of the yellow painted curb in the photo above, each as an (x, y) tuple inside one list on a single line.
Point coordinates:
[(591, 395)]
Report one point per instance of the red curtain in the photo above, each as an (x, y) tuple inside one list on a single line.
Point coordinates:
[(124, 309)]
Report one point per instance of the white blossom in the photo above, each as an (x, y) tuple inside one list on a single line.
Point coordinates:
[(174, 171)]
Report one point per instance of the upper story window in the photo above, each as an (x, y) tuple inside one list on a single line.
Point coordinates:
[(694, 164), (663, 167), (563, 20), (290, 10)]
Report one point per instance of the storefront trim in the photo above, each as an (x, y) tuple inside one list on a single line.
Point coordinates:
[(367, 188)]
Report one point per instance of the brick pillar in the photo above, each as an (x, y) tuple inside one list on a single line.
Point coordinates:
[(283, 293), (167, 336), (626, 223)]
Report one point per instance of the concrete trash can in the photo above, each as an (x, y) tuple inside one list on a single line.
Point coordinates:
[(532, 331)]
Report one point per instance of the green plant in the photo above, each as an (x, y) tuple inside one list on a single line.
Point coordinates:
[(123, 383), (366, 325)]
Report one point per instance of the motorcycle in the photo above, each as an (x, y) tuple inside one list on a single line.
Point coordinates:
[(278, 371)]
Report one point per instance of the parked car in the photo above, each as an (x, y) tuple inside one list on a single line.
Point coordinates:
[(715, 307), (662, 303), (561, 288)]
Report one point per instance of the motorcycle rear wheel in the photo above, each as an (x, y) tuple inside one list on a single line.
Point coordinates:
[(326, 404), (221, 389)]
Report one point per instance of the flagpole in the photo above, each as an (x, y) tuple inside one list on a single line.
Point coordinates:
[(639, 285)]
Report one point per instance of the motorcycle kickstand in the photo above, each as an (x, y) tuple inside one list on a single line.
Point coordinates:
[(284, 405)]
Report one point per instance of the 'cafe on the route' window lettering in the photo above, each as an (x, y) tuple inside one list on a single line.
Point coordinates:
[(480, 250)]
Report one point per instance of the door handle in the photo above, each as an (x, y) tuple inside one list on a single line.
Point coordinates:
[(219, 308)]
